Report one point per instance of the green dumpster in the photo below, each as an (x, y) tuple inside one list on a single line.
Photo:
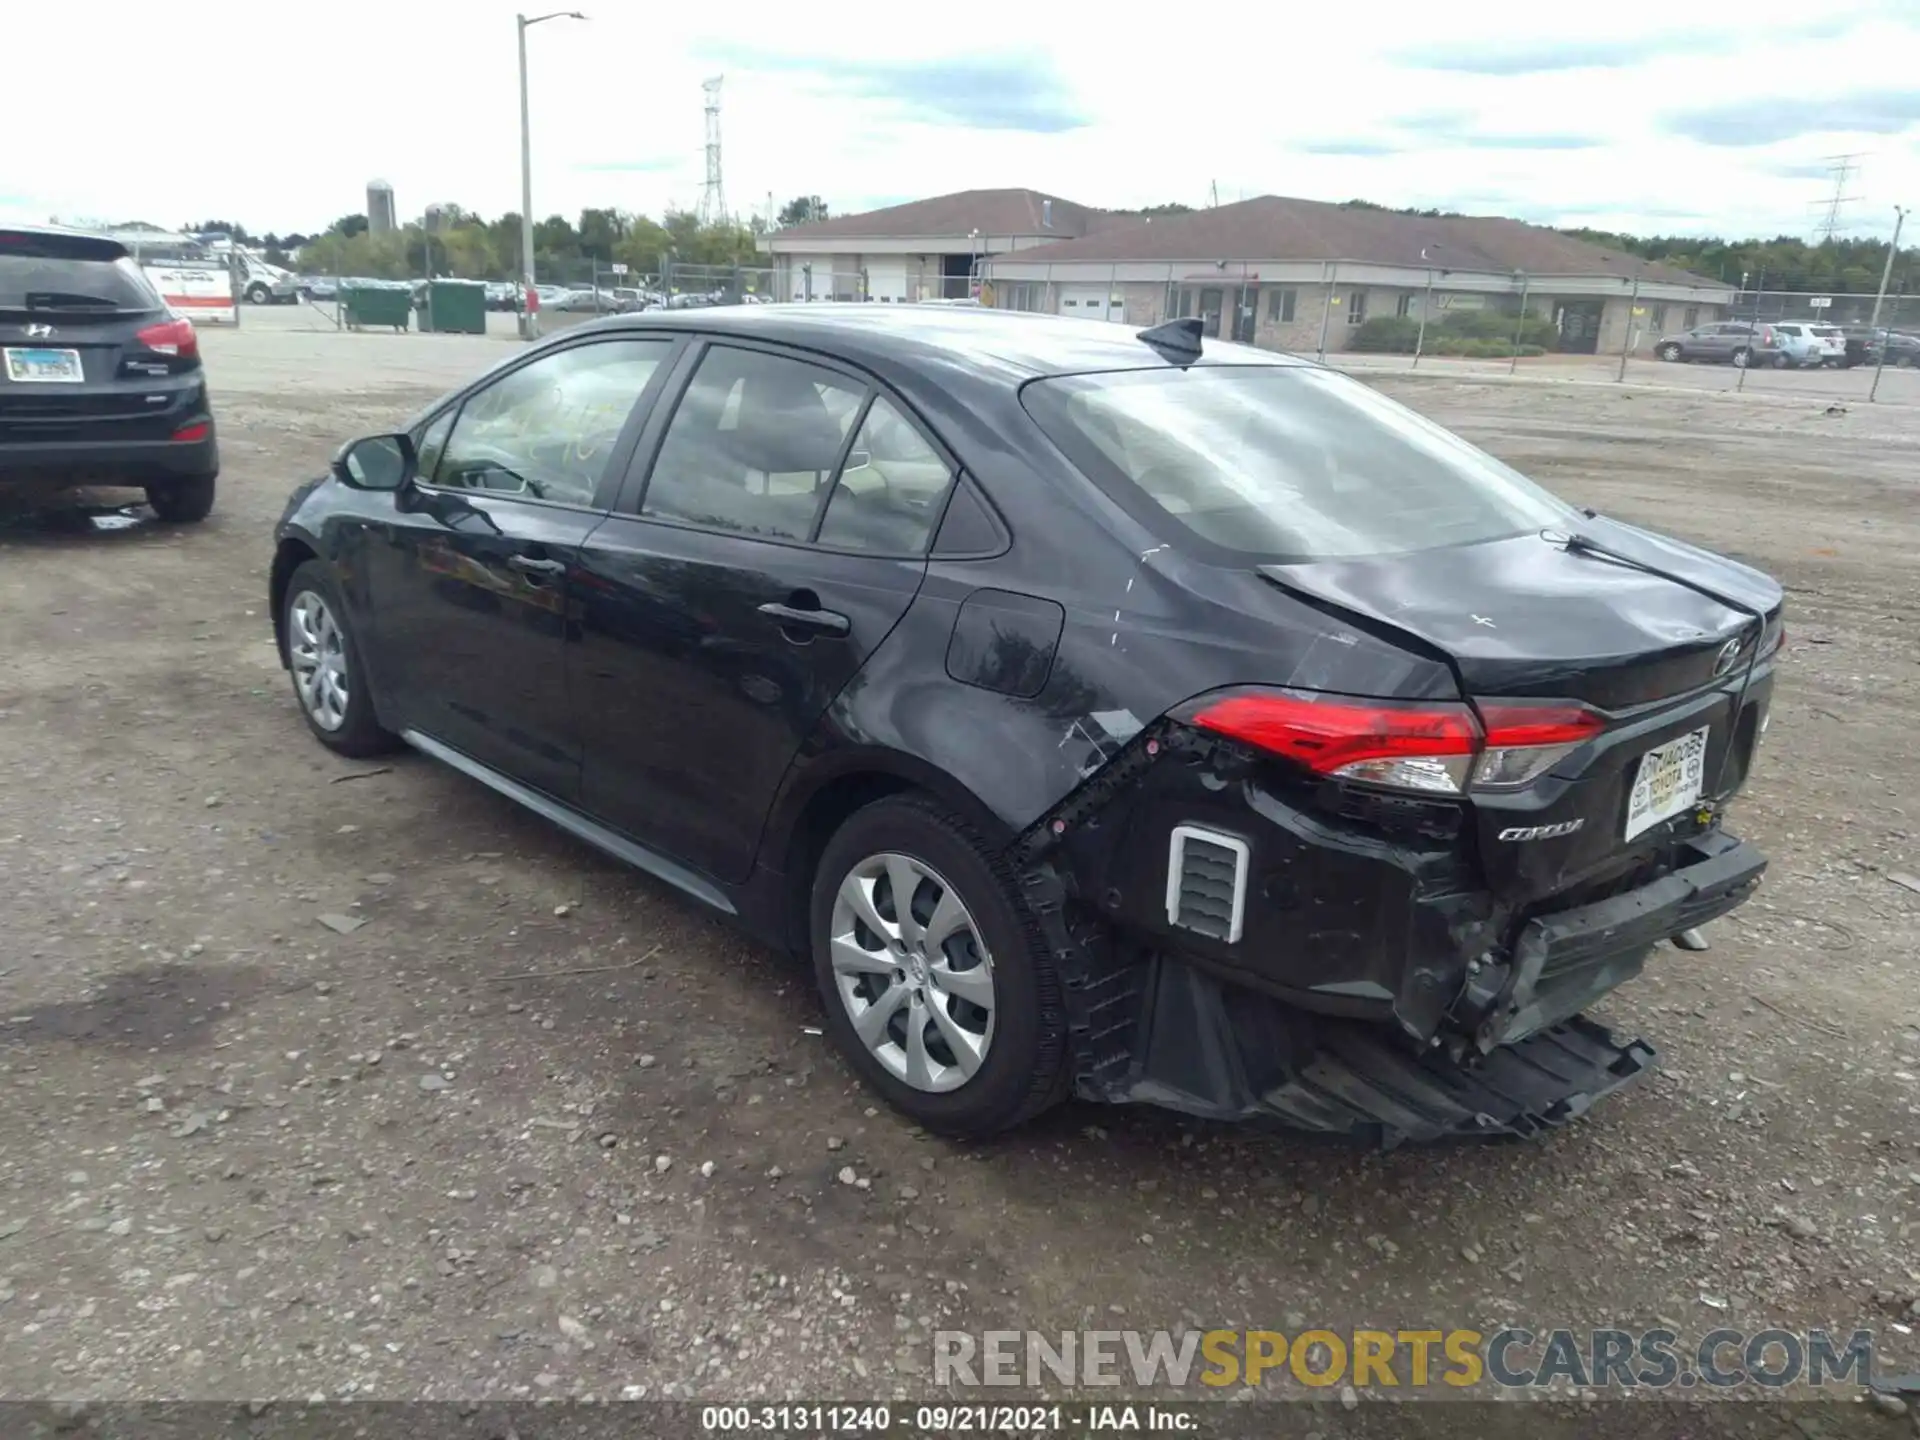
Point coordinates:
[(377, 305), (455, 307)]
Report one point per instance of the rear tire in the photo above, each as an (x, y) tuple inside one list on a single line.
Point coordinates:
[(182, 502), (1741, 359), (1022, 1066), (325, 664)]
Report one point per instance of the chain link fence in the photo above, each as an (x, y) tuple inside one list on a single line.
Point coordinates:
[(1833, 346)]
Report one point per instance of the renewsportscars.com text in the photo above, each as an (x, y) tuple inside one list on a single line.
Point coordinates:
[(1449, 1360)]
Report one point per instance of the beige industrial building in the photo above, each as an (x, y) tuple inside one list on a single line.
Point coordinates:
[(1298, 275)]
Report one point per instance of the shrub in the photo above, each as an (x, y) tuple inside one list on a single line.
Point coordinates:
[(1385, 335)]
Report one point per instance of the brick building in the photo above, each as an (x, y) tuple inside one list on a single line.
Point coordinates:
[(1302, 275), (924, 250)]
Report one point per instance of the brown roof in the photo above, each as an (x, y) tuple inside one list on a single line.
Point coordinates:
[(1274, 228), (991, 212)]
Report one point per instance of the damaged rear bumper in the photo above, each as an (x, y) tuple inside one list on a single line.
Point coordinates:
[(1211, 1050), (1562, 962), (1359, 981)]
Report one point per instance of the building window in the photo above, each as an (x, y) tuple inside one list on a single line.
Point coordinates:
[(1182, 304), (1403, 307), (1693, 317), (1356, 307), (1280, 306)]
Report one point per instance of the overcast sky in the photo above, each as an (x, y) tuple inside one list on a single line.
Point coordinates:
[(1589, 117)]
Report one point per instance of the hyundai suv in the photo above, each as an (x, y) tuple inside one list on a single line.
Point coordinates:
[(100, 383)]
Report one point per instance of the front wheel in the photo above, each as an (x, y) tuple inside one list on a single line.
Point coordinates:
[(259, 295), (329, 679), (1783, 362), (182, 502), (1903, 362), (1668, 352), (937, 985)]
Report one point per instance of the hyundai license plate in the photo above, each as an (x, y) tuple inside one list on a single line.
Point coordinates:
[(45, 367), (1669, 780)]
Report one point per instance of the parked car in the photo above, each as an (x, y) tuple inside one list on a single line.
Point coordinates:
[(1903, 350), (1808, 347), (100, 383), (317, 287), (577, 298), (1737, 342), (1100, 713), (502, 295)]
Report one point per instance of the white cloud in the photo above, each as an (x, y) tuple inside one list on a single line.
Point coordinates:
[(286, 119)]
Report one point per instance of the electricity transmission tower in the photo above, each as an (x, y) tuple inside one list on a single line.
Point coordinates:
[(713, 199), (1843, 169)]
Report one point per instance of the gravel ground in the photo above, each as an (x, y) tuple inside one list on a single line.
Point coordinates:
[(536, 1127)]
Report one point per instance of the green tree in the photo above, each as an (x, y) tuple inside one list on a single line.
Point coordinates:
[(802, 210)]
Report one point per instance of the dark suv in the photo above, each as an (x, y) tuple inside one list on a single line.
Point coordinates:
[(100, 384)]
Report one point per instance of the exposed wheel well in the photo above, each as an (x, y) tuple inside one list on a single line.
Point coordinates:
[(825, 812), (291, 555), (828, 808)]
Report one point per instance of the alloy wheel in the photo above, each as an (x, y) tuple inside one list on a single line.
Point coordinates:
[(318, 651), (912, 971)]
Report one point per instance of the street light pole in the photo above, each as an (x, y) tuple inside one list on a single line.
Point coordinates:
[(1886, 271), (529, 322), (1420, 340)]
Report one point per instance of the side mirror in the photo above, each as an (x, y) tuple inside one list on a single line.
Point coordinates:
[(376, 462)]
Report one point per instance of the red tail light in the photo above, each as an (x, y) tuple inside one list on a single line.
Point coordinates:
[(1435, 746), (171, 337), (187, 433)]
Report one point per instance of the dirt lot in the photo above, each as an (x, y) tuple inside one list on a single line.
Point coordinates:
[(244, 1155)]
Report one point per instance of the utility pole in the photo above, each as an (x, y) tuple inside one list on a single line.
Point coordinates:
[(1886, 271), (1626, 345), (713, 199), (1843, 169), (1886, 274), (529, 322), (1519, 327)]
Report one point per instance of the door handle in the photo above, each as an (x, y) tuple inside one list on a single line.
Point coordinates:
[(827, 622), (527, 565)]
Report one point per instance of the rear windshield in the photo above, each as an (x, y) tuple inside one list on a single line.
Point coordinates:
[(1283, 463), (58, 272)]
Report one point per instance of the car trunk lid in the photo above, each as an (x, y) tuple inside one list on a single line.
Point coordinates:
[(1527, 617), (1667, 656)]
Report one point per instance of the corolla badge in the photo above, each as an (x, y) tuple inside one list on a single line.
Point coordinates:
[(1542, 832), (1729, 652)]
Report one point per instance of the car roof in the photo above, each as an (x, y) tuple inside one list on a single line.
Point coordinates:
[(68, 232), (1011, 343)]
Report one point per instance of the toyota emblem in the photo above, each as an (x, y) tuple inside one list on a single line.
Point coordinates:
[(1729, 653), (37, 332)]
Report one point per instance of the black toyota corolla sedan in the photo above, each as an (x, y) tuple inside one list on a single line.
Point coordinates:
[(1102, 713)]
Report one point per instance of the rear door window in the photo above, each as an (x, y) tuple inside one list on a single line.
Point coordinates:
[(70, 273), (891, 489), (753, 444), (1283, 463)]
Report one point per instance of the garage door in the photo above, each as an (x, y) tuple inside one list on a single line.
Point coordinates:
[(887, 279), (1092, 302)]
